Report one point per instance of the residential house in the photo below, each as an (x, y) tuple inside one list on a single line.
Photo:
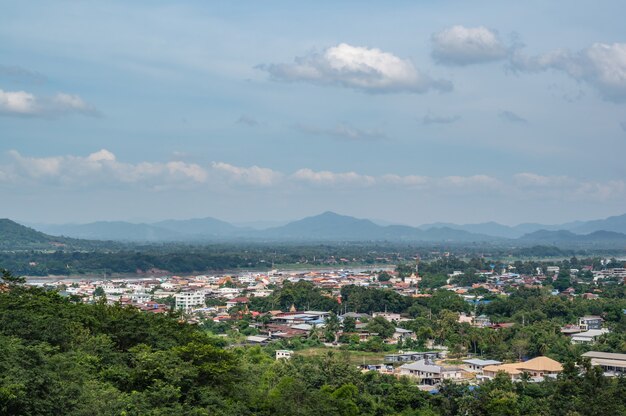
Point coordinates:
[(538, 368), (429, 373), (590, 322), (612, 364), (283, 354), (477, 365), (589, 336)]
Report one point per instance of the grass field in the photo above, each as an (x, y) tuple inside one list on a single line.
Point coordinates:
[(354, 357)]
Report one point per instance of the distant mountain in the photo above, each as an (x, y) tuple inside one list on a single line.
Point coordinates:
[(13, 234), (565, 236), (200, 227), (616, 224), (332, 226), (113, 230), (487, 228)]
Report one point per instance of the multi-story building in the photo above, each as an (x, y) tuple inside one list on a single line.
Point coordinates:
[(187, 301)]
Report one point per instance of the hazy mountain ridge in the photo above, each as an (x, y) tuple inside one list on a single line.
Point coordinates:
[(330, 226)]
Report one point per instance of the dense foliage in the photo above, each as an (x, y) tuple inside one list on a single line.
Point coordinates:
[(59, 357), (84, 256)]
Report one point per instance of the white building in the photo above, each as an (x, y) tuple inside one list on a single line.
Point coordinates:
[(476, 365), (588, 336), (283, 354), (430, 374), (189, 300)]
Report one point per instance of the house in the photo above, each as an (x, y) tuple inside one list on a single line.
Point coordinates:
[(612, 364), (538, 367), (429, 373), (403, 334), (410, 356), (482, 321), (237, 301), (283, 354), (590, 322), (477, 365), (257, 339), (588, 336)]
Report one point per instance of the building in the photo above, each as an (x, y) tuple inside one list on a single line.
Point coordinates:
[(237, 301), (589, 336), (612, 364), (538, 368), (590, 322), (403, 334), (477, 365), (283, 354), (187, 301), (429, 373), (410, 356)]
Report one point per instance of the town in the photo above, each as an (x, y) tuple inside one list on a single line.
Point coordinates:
[(282, 311)]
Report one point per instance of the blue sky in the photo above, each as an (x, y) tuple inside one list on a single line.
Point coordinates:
[(424, 111)]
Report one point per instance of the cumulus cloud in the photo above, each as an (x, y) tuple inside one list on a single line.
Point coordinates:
[(602, 66), (103, 169), (332, 178), (565, 187), (22, 103), (253, 175), (512, 117), (364, 69), (430, 119), (460, 45), (344, 131)]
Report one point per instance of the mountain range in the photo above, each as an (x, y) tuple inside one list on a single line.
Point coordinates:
[(330, 226)]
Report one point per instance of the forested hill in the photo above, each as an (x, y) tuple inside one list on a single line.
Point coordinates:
[(63, 358), (14, 236)]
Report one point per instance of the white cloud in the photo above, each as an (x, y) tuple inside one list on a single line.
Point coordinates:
[(103, 169), (602, 66), (410, 181), (365, 69), (250, 176), (527, 179), (329, 178), (99, 168), (460, 45), (344, 131), (22, 103), (17, 102)]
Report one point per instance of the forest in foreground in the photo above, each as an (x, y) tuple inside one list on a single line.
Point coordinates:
[(59, 357)]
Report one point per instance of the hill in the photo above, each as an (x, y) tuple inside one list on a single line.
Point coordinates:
[(330, 226), (114, 230), (563, 237), (14, 235)]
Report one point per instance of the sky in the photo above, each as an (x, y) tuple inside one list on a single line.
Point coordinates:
[(419, 112)]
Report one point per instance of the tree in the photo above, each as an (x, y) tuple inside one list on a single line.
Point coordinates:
[(381, 326), (99, 292), (8, 278), (349, 324), (384, 277)]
